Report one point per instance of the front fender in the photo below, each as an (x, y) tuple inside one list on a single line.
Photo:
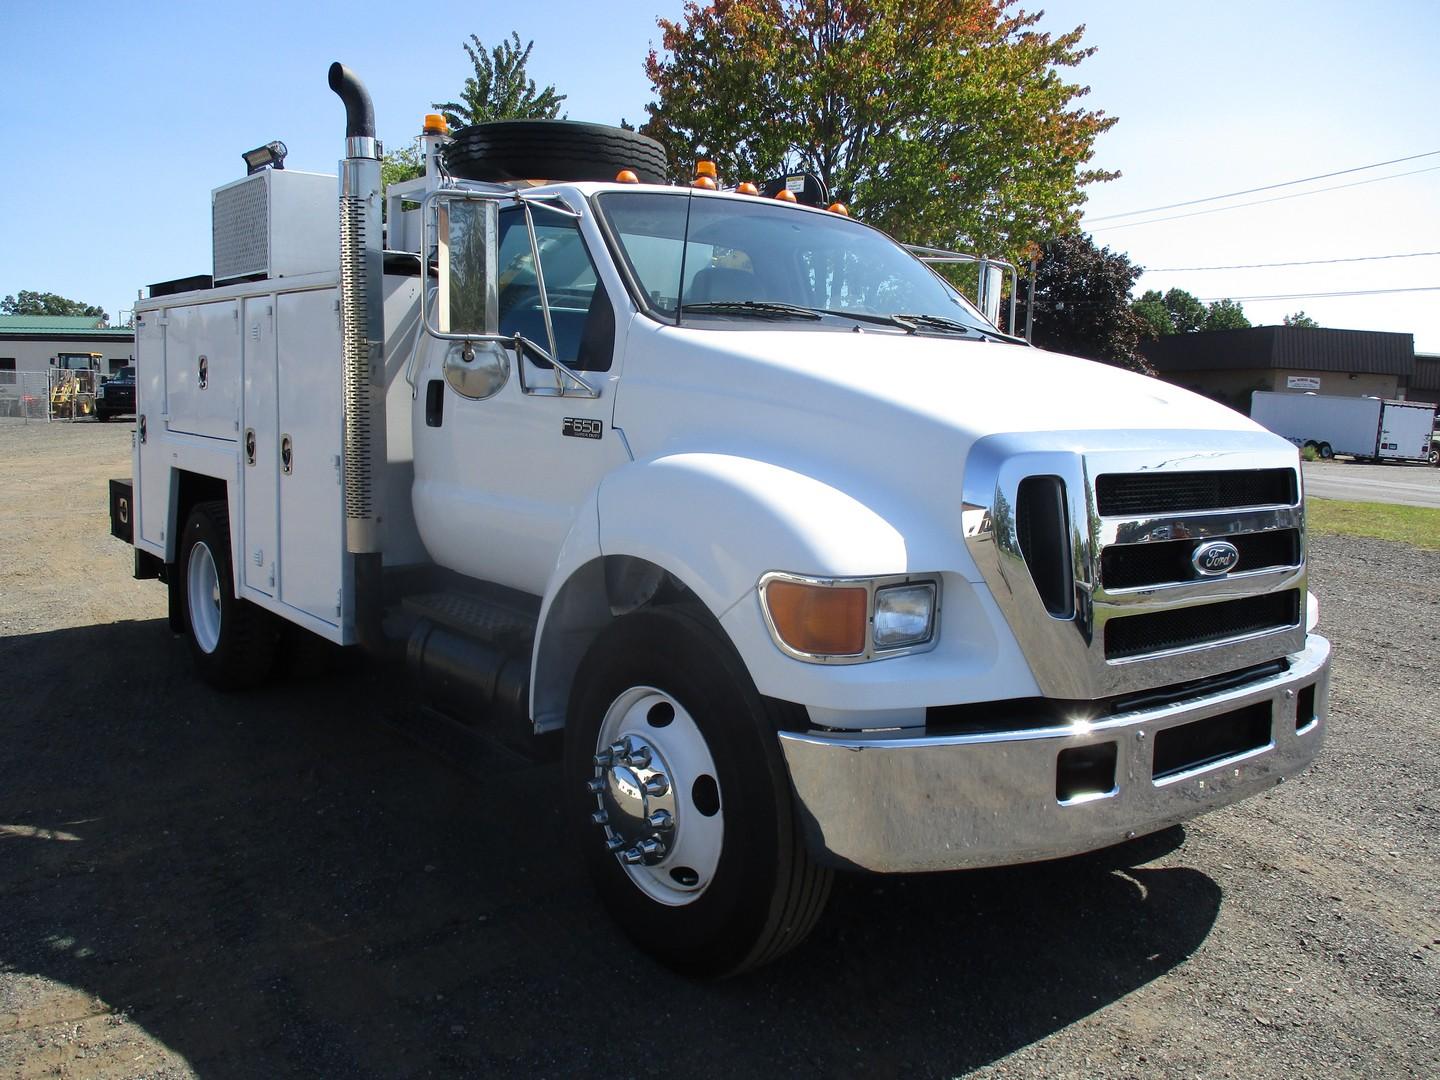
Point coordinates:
[(718, 522)]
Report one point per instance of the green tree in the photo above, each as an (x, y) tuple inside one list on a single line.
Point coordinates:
[(1151, 308), (1187, 314), (38, 303), (500, 89), (1225, 315), (1301, 319), (941, 121), (1082, 302), (403, 164)]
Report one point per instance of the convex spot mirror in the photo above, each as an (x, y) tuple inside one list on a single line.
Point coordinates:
[(476, 370)]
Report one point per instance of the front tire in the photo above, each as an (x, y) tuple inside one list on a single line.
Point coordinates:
[(674, 777), (232, 642)]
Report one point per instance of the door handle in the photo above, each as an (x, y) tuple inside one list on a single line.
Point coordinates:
[(434, 403), (286, 455)]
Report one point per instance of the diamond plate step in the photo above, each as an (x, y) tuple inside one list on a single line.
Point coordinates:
[(480, 617)]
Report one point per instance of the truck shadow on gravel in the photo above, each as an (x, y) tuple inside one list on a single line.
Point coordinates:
[(279, 883)]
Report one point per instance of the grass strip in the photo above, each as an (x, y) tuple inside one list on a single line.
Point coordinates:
[(1417, 525)]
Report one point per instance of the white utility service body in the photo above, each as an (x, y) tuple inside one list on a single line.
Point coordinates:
[(1102, 576), (1364, 427)]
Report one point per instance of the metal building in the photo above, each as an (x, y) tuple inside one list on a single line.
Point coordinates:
[(1228, 365)]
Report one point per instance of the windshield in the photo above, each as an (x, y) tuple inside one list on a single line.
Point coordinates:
[(742, 252)]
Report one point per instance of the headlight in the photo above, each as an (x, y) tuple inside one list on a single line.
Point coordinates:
[(849, 620), (904, 615)]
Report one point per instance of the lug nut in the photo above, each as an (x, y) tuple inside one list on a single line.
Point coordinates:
[(595, 786), (602, 761), (660, 819), (614, 843), (600, 817), (651, 848), (620, 749), (632, 857), (639, 758), (657, 785)]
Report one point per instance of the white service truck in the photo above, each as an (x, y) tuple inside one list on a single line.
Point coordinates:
[(814, 566), (1368, 428)]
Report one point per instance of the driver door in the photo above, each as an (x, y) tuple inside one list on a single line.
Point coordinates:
[(499, 480)]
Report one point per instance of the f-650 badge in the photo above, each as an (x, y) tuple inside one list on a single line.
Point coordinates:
[(579, 428)]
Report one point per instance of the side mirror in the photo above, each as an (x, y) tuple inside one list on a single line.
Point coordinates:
[(467, 236)]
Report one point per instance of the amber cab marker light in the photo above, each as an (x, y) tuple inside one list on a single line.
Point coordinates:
[(839, 208), (435, 124), (747, 188), (820, 620), (625, 176), (704, 182), (785, 195)]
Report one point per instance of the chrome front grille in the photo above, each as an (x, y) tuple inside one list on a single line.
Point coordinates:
[(1140, 614), (1149, 493)]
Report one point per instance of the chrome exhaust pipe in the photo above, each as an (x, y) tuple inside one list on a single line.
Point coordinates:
[(362, 320)]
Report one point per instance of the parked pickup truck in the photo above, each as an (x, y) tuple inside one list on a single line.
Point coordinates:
[(115, 396), (815, 568)]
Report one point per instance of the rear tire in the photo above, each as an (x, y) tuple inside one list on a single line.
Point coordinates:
[(666, 680), (232, 642), (1325, 451), (553, 150)]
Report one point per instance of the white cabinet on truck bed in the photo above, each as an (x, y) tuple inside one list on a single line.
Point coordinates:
[(202, 368)]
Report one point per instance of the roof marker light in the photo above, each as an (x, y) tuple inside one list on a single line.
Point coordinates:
[(704, 182), (839, 208), (626, 176), (786, 195), (747, 188)]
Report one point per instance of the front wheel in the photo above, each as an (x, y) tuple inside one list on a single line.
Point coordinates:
[(676, 783)]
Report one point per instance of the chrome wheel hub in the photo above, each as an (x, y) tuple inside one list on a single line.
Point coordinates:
[(657, 800)]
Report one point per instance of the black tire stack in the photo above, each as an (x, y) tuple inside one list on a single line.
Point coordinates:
[(553, 150)]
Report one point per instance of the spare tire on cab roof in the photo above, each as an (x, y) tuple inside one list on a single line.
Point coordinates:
[(553, 150)]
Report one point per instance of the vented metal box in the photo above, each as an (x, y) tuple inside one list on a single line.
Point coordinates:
[(275, 224)]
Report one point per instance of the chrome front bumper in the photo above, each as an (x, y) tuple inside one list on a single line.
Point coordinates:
[(894, 802)]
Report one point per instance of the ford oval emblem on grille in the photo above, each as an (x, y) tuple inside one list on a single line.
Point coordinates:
[(1215, 558)]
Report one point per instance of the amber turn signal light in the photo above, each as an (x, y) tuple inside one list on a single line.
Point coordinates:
[(821, 620)]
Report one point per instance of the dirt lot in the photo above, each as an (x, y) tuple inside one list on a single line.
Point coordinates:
[(281, 884)]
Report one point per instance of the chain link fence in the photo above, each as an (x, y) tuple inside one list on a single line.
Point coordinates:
[(25, 394)]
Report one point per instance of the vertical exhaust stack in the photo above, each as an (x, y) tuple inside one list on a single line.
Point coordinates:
[(362, 318)]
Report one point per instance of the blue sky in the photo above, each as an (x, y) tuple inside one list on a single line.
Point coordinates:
[(119, 119)]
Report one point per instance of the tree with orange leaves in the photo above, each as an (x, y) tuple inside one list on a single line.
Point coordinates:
[(944, 122)]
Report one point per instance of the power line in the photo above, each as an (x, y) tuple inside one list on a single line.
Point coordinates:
[(1278, 198), (1266, 187), (1320, 295), (1304, 262)]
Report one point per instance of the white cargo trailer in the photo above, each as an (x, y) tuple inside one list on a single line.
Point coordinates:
[(1363, 427)]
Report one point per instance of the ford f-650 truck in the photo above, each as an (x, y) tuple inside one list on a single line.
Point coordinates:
[(814, 566)]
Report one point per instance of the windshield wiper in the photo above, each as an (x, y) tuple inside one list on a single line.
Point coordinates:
[(900, 321), (940, 322), (760, 309)]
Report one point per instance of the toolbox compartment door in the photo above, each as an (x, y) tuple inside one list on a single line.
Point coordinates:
[(202, 369)]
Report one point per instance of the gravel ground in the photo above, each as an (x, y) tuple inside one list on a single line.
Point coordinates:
[(281, 884)]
